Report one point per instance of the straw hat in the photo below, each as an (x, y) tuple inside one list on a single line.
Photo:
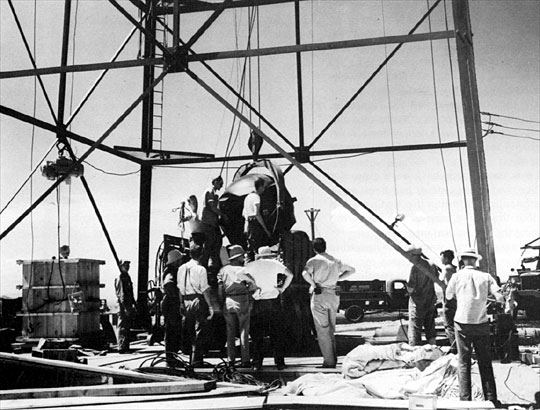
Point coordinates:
[(470, 253), (264, 252)]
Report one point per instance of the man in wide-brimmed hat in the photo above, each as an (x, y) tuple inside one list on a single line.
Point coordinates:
[(235, 289), (422, 299), (471, 288), (171, 305)]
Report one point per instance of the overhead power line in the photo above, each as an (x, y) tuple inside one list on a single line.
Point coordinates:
[(506, 116)]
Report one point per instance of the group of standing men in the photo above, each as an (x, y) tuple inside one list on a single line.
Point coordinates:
[(465, 301), (249, 298)]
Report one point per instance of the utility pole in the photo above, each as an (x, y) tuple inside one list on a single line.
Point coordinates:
[(312, 215)]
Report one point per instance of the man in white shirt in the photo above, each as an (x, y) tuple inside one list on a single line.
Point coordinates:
[(195, 291), (471, 289), (256, 231), (235, 290), (267, 314), (322, 272)]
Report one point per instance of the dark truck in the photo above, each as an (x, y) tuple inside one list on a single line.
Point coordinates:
[(359, 296), (526, 282)]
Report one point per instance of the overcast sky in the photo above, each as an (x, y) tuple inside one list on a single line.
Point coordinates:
[(410, 103)]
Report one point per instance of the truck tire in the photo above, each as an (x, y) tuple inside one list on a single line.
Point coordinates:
[(354, 313)]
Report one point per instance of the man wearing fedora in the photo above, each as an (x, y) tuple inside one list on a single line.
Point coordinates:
[(422, 299), (171, 305), (235, 290), (471, 288), (322, 272), (272, 278), (127, 307)]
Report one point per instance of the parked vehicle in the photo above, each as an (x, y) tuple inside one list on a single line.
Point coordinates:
[(526, 282), (358, 297)]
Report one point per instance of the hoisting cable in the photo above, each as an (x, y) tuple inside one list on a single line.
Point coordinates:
[(29, 178), (258, 62), (436, 100), (30, 55), (466, 208), (75, 19), (390, 110), (373, 75), (230, 146)]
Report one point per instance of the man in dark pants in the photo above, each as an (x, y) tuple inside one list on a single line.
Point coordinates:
[(127, 309), (171, 306), (211, 215), (449, 305), (195, 291), (422, 300), (471, 288), (256, 232), (267, 313)]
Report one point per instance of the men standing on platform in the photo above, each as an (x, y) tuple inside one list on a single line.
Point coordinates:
[(322, 272), (272, 278), (449, 305), (422, 299), (195, 291), (471, 288), (127, 307), (210, 222), (256, 231), (171, 306), (235, 289)]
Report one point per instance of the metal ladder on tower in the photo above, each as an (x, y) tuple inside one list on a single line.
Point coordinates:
[(157, 111)]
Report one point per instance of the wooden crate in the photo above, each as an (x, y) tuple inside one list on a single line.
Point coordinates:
[(59, 325), (47, 287)]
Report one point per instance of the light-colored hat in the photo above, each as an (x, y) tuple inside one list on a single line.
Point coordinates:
[(235, 251), (264, 252), (414, 250), (173, 256), (470, 253)]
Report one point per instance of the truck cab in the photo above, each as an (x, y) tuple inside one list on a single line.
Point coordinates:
[(358, 297)]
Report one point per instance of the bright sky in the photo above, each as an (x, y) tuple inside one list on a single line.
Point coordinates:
[(398, 108)]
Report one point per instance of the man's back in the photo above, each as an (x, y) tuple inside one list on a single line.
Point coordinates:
[(325, 269), (471, 288)]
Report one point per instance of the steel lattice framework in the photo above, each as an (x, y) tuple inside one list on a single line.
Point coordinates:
[(179, 57)]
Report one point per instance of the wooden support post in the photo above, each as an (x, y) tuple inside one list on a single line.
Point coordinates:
[(473, 131)]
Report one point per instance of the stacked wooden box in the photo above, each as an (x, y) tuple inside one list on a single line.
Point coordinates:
[(50, 288)]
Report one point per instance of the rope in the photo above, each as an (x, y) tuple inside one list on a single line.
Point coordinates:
[(510, 128), (390, 110), (34, 108), (439, 134), (71, 105), (457, 130), (29, 178)]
